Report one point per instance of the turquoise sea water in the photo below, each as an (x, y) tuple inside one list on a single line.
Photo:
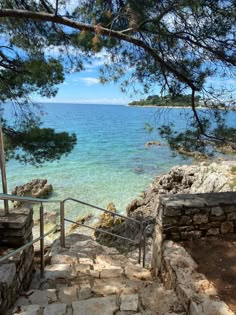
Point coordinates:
[(110, 162)]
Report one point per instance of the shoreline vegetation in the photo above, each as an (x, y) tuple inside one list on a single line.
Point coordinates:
[(178, 101)]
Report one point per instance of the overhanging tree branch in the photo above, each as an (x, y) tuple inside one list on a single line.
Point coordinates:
[(47, 17)]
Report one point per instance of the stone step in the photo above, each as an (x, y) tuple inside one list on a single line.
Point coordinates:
[(97, 305), (86, 278)]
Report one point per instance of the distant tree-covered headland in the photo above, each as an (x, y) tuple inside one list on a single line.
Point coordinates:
[(179, 100)]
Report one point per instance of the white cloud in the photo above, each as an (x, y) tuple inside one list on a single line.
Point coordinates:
[(89, 80)]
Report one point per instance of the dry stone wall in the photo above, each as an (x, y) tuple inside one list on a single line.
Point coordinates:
[(186, 217), (192, 216), (16, 272)]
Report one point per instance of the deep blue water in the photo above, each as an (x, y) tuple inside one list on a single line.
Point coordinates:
[(110, 162)]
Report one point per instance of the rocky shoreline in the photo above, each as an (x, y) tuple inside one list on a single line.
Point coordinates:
[(203, 177)]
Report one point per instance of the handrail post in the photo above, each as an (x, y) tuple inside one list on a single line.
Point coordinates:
[(62, 219), (3, 172), (41, 240), (140, 242), (144, 246)]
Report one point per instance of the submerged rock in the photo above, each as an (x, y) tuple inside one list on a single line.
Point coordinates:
[(80, 220), (152, 143)]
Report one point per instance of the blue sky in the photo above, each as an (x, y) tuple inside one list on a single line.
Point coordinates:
[(84, 87)]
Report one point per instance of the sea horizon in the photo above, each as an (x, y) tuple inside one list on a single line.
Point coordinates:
[(110, 162)]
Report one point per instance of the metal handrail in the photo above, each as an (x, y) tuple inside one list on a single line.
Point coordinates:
[(140, 242), (142, 235), (103, 231), (23, 198), (101, 209), (12, 253)]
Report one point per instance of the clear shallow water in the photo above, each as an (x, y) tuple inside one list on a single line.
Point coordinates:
[(110, 162)]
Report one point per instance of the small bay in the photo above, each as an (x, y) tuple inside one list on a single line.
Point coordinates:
[(110, 162)]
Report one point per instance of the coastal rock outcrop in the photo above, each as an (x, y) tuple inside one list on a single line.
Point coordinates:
[(203, 177), (37, 188)]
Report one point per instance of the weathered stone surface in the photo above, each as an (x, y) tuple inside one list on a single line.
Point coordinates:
[(85, 291), (138, 272), (191, 235), (16, 219), (227, 227), (229, 208), (185, 220), (63, 259), (40, 297), (7, 273), (231, 216), (172, 212), (86, 261), (213, 231), (99, 306), (94, 273), (200, 218), (28, 310), (104, 288), (67, 295), (55, 271), (82, 268), (111, 272), (192, 288), (55, 309), (209, 307), (129, 302), (217, 211)]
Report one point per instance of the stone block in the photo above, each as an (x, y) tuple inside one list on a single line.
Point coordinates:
[(53, 272), (67, 295), (213, 231), (7, 274), (82, 268), (132, 271), (226, 227), (85, 291), (191, 235), (63, 259), (38, 297), (231, 216), (129, 302), (27, 310), (192, 211), (94, 273), (104, 288), (169, 221), (86, 261), (185, 220), (209, 307), (229, 208), (200, 218), (184, 294), (16, 219), (217, 211), (172, 212), (219, 218), (99, 306), (111, 272), (55, 309)]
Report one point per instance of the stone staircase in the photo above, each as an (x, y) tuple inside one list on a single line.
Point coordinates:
[(86, 278)]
